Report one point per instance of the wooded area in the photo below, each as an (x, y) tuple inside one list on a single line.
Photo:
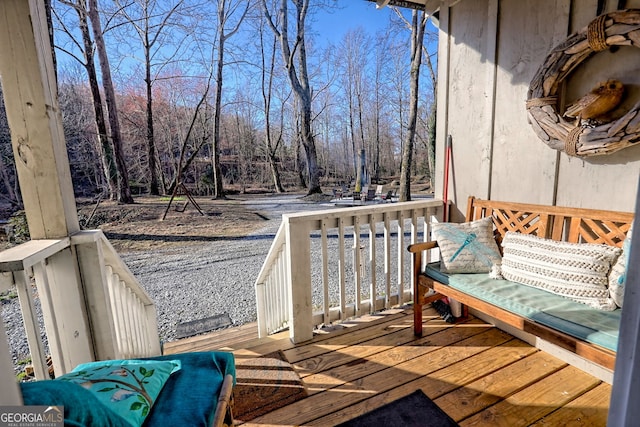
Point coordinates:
[(232, 95)]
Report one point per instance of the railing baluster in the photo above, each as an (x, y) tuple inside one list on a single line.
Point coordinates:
[(280, 295), (114, 311), (414, 239), (357, 264), (341, 270), (400, 260), (119, 306), (387, 260), (325, 271), (372, 263), (31, 325)]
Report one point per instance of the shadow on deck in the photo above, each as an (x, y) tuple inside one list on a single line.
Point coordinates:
[(476, 373)]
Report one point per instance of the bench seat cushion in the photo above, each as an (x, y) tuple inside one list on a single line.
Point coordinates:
[(573, 318)]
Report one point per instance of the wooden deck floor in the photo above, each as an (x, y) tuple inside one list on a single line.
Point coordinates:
[(476, 373)]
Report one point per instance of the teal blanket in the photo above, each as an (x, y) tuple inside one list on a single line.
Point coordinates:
[(188, 398)]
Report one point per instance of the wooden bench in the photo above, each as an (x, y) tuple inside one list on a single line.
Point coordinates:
[(575, 225)]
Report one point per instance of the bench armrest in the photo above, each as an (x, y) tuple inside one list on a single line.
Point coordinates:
[(423, 246)]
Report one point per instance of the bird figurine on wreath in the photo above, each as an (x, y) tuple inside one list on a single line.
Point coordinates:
[(596, 104)]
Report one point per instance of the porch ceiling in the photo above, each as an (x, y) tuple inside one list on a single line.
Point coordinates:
[(431, 6)]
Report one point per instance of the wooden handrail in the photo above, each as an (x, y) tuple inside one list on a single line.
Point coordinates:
[(28, 254)]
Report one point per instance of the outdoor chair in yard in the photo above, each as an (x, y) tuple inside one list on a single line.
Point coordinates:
[(368, 194), (389, 196)]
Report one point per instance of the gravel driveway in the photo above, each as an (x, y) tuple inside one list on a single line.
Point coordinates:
[(217, 277)]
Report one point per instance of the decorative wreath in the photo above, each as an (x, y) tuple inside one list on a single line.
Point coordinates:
[(621, 28)]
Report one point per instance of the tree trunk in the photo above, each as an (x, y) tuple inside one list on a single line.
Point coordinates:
[(123, 190), (297, 154), (218, 189), (154, 188), (275, 173), (221, 36), (108, 162), (47, 8), (419, 20)]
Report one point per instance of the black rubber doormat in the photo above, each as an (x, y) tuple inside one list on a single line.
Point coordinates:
[(200, 326), (414, 410)]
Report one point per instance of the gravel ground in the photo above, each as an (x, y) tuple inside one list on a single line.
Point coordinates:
[(216, 277)]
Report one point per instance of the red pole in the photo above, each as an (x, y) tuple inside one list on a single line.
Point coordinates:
[(445, 190)]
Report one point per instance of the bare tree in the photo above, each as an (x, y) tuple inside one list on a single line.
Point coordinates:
[(226, 9), (152, 23), (379, 103), (86, 48), (418, 23), (272, 137), (123, 191), (295, 51), (353, 62)]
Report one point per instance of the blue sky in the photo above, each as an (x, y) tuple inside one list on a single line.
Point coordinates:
[(331, 25)]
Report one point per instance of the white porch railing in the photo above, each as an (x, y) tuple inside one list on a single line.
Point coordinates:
[(111, 310), (335, 264)]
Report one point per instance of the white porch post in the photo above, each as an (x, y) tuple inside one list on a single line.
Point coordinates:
[(625, 392), (299, 255), (30, 95)]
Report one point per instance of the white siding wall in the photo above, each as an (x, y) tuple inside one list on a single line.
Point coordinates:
[(489, 51)]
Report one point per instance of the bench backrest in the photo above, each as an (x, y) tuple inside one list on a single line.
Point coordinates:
[(577, 225)]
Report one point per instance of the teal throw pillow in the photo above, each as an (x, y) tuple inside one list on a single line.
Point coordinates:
[(128, 387)]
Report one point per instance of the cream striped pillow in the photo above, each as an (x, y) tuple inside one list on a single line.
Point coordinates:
[(574, 270)]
